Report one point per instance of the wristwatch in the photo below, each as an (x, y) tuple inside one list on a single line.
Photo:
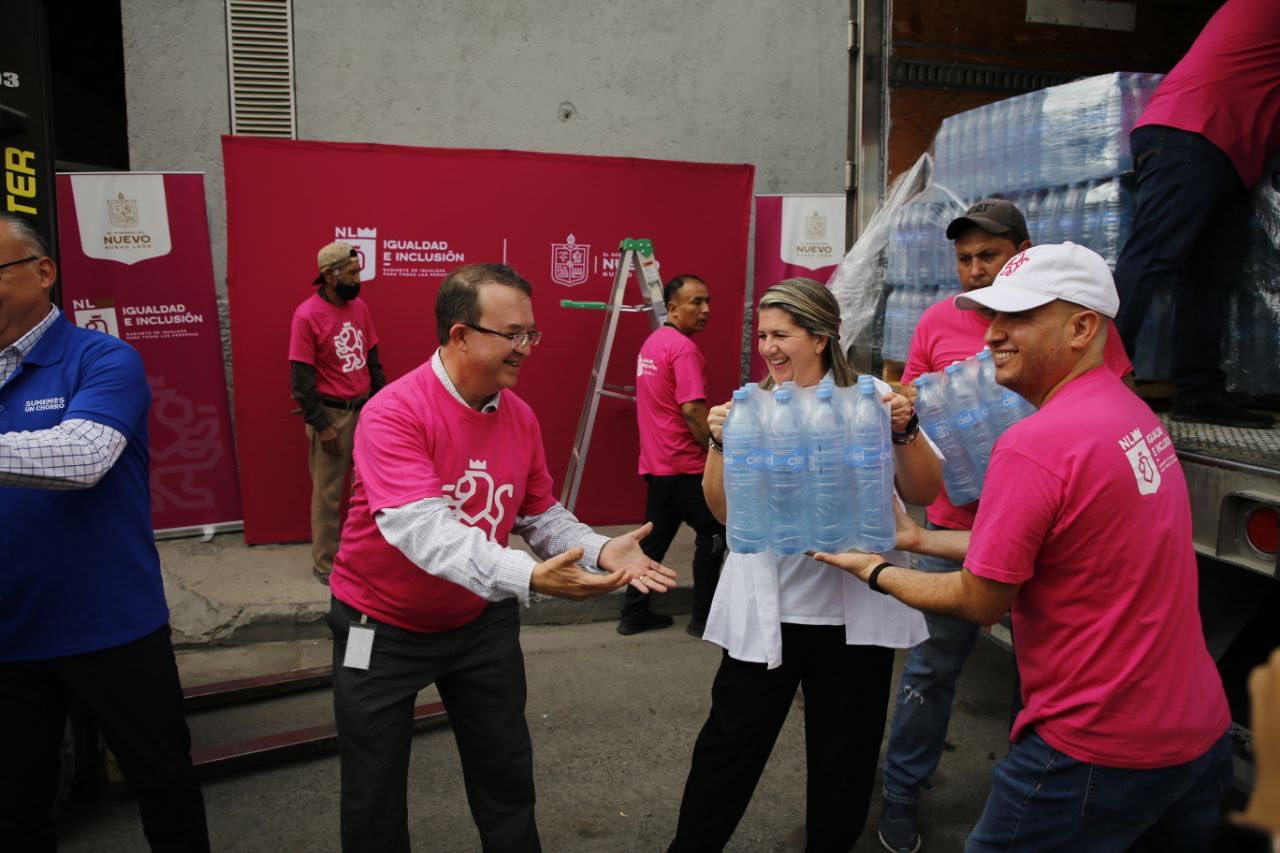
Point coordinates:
[(715, 445), (908, 435)]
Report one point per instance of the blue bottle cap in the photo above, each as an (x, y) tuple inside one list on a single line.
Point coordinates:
[(741, 393), (922, 380), (955, 366), (985, 355), (782, 395), (824, 391)]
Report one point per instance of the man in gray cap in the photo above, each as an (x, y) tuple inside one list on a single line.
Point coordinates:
[(1084, 535), (989, 233), (334, 369)]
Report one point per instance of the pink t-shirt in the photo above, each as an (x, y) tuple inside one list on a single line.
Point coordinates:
[(1227, 87), (336, 340), (1086, 506), (669, 372), (946, 334), (416, 441)]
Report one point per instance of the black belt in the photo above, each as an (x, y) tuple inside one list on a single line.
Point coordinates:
[(349, 405)]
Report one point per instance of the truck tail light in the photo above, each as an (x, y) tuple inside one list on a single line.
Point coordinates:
[(1262, 527)]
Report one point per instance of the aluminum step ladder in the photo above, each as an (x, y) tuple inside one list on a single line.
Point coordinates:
[(635, 255)]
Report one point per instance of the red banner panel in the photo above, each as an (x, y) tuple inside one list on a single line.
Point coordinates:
[(796, 236), (416, 213), (135, 263)]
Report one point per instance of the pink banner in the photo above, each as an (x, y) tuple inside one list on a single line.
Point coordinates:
[(135, 263), (556, 218), (796, 236)]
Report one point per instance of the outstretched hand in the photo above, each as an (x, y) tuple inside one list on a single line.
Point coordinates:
[(622, 553), (562, 577), (856, 563), (1263, 810)]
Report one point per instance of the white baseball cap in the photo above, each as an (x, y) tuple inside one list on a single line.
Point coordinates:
[(1042, 274)]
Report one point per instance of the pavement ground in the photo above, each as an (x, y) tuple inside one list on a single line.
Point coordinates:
[(613, 721)]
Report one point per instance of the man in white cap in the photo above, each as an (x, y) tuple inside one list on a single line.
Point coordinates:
[(334, 369), (1084, 534)]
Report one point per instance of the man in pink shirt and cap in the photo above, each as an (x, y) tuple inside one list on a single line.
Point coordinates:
[(1084, 535)]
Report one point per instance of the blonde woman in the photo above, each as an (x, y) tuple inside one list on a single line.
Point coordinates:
[(787, 622)]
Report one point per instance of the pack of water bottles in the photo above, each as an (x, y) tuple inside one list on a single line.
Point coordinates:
[(1066, 134), (965, 411), (921, 267), (809, 469)]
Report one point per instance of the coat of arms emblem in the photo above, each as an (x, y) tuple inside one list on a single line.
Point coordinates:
[(122, 211), (569, 262), (815, 226)]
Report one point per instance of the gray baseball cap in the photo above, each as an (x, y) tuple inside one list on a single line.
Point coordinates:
[(995, 216)]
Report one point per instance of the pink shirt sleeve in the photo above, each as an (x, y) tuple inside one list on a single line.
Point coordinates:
[(1114, 355), (1020, 501), (393, 460), (918, 352), (687, 367), (368, 324), (302, 340), (537, 497)]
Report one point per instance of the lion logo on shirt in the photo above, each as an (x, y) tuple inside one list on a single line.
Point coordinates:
[(475, 482), (1141, 460), (348, 345)]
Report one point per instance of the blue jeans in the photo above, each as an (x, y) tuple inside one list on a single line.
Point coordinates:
[(923, 707), (1188, 238), (1042, 799)]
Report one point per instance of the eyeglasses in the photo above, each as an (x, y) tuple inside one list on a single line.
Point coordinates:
[(518, 340), (25, 260)]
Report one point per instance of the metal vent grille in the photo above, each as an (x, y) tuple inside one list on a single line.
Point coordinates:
[(260, 52)]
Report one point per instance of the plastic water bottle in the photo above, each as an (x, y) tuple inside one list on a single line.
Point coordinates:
[(1032, 210), (832, 500), (1006, 407), (744, 485), (784, 468), (959, 476), (1071, 214), (869, 460), (966, 414), (1050, 226)]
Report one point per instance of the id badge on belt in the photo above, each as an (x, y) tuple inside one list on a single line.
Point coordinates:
[(359, 644)]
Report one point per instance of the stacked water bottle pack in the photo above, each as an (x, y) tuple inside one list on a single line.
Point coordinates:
[(809, 469), (965, 411), (921, 270), (1065, 134), (1061, 154)]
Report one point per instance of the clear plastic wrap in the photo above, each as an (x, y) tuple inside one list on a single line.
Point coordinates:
[(1251, 341), (900, 265)]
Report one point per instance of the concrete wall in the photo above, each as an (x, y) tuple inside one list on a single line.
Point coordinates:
[(719, 81)]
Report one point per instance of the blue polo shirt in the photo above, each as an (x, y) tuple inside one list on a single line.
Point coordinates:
[(78, 568)]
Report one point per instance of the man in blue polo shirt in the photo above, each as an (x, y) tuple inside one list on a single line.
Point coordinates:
[(82, 609)]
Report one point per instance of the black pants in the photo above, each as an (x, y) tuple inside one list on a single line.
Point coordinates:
[(1188, 238), (846, 700), (672, 500), (479, 670), (133, 694)]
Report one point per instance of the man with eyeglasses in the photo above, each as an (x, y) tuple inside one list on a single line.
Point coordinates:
[(671, 413), (448, 463), (334, 369), (82, 609)]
